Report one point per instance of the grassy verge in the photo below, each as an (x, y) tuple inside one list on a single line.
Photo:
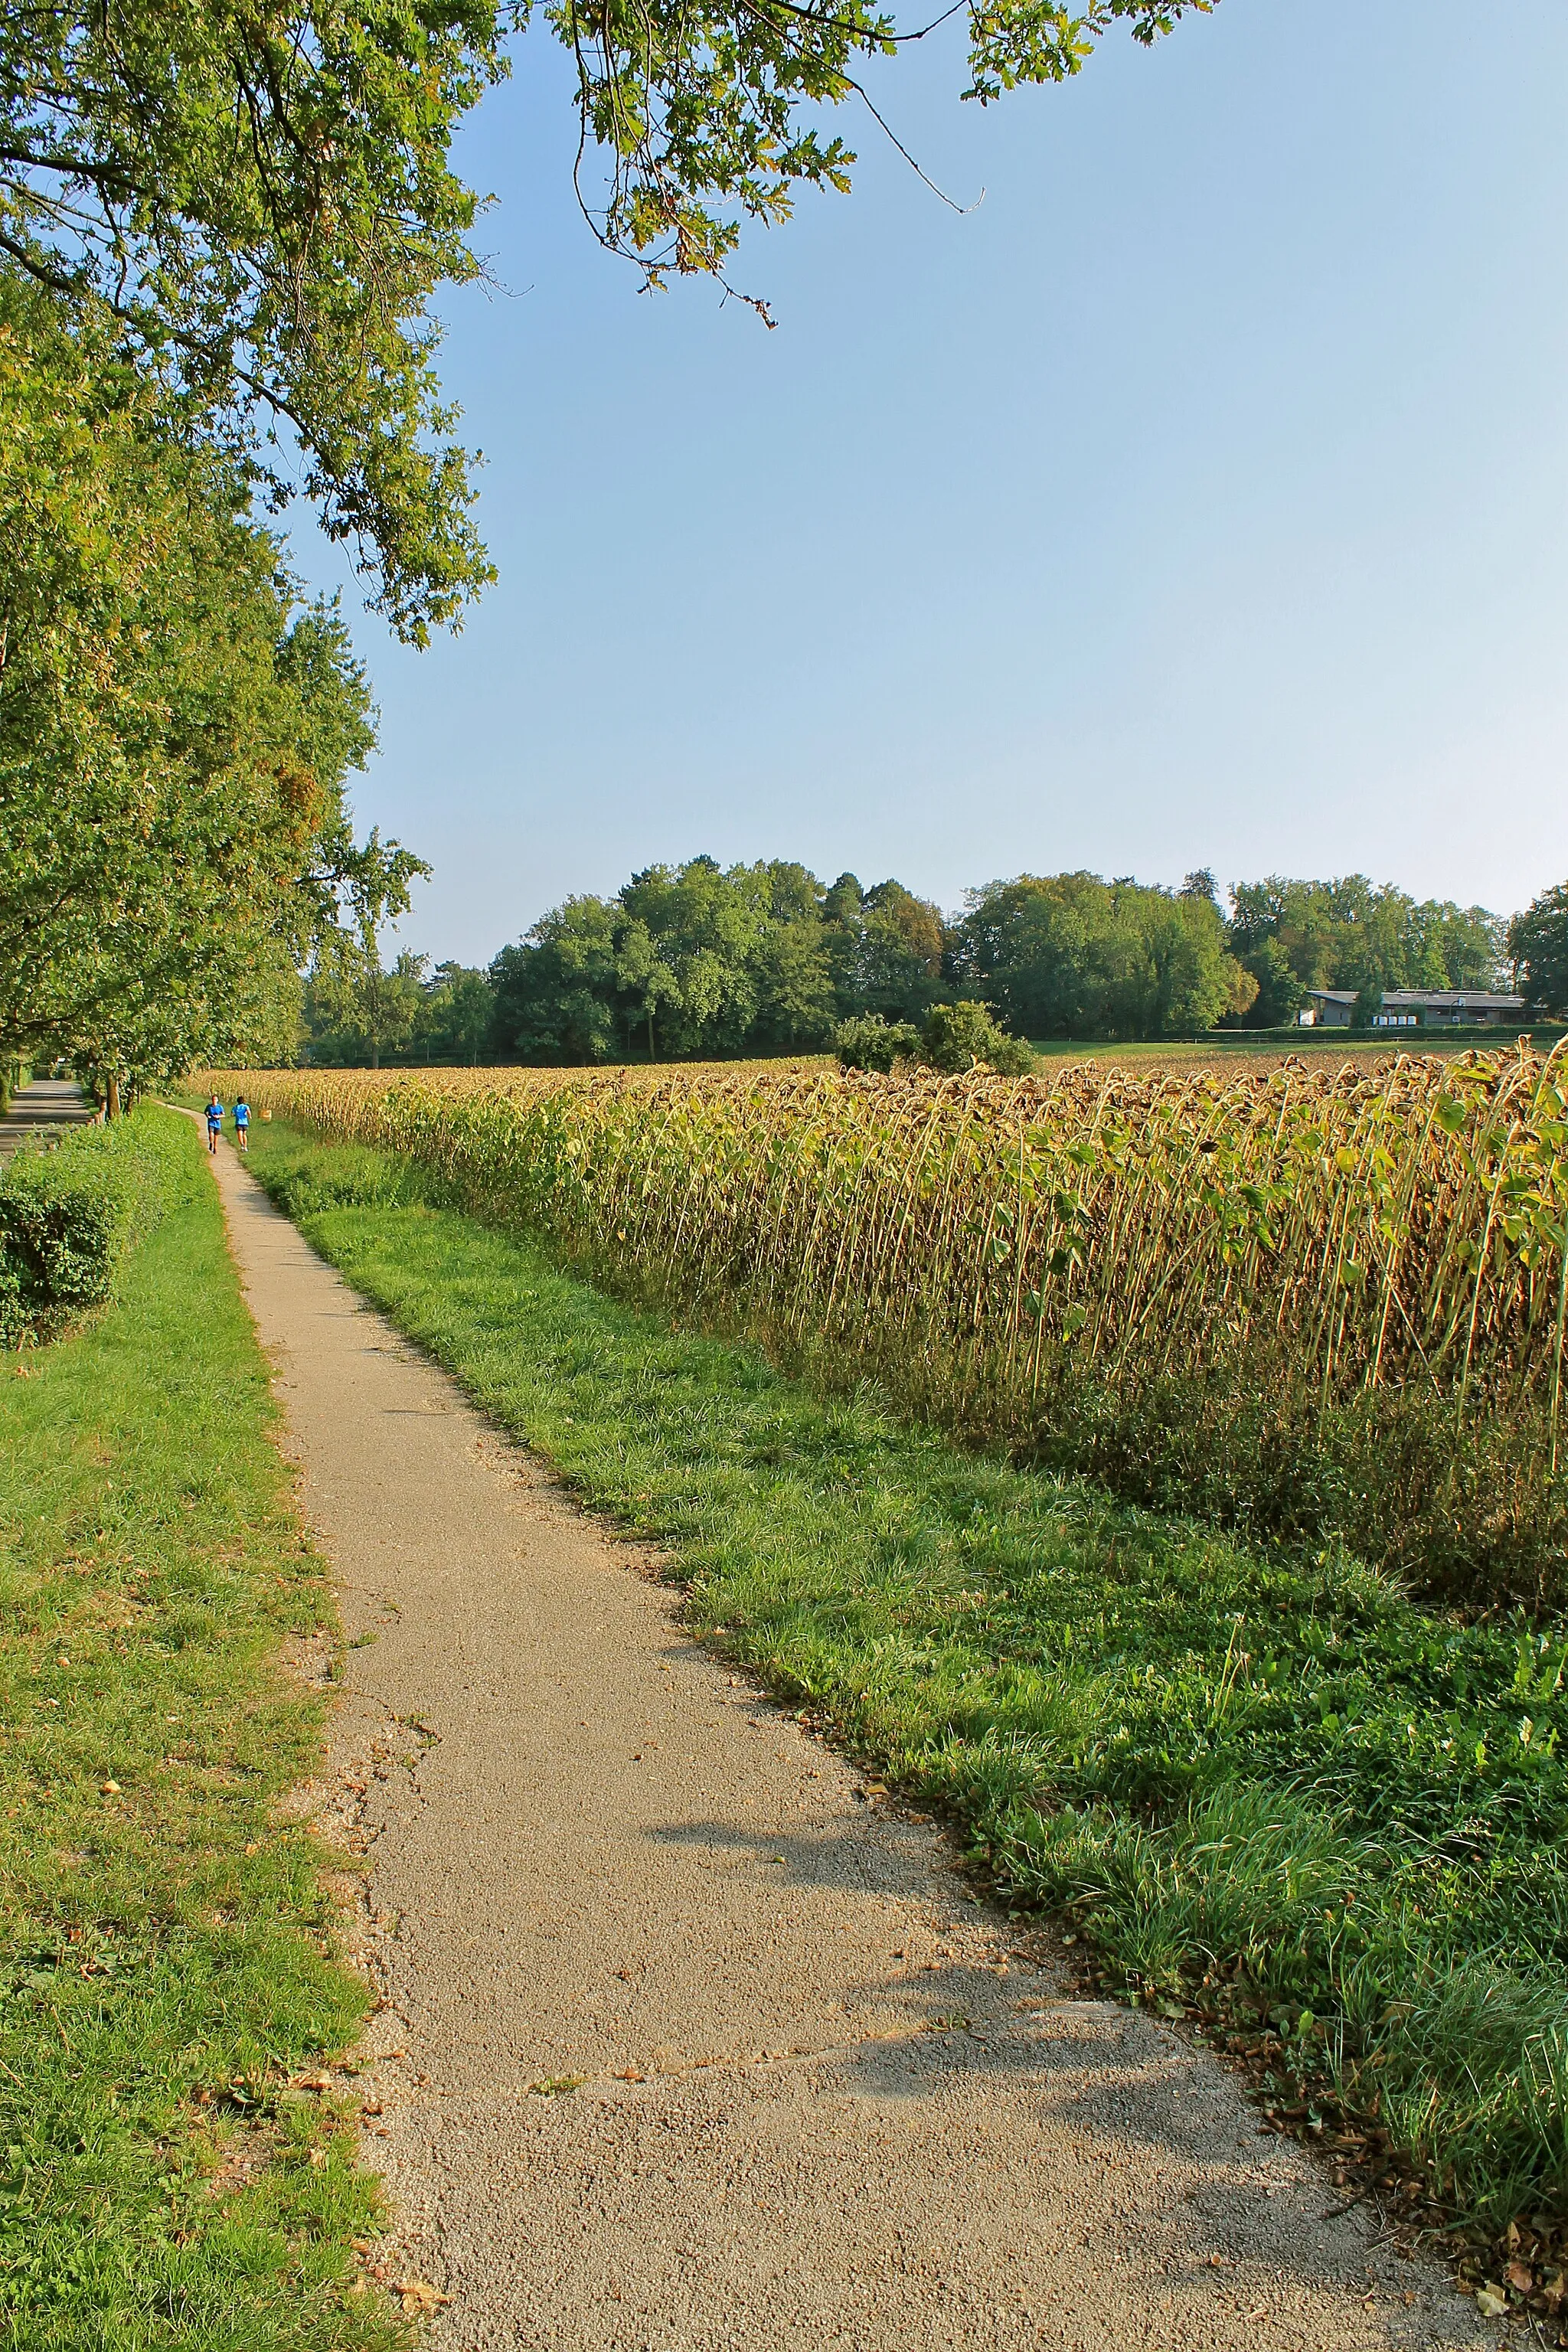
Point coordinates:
[(164, 1945), (1274, 1793)]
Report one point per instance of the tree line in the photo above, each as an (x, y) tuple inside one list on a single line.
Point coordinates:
[(700, 961), (224, 230), (220, 228)]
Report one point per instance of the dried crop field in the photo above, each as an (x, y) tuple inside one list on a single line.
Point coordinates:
[(1325, 1303)]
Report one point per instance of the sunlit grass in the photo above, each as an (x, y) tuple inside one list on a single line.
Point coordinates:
[(165, 1943), (1265, 1783)]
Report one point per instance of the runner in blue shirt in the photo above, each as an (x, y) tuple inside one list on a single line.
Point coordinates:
[(215, 1123), (242, 1124)]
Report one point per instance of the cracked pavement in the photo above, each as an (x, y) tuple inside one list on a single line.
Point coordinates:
[(688, 2038)]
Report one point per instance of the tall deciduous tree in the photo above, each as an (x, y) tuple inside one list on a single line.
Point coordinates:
[(1537, 944), (695, 959), (1070, 955), (259, 194), (177, 724), (257, 201), (1352, 933)]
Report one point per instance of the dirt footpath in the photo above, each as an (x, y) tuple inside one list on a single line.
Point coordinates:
[(690, 2039)]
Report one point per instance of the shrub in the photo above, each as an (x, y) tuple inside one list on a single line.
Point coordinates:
[(960, 1037), (66, 1217), (868, 1043)]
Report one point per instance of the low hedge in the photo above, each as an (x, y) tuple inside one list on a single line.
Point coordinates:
[(67, 1216)]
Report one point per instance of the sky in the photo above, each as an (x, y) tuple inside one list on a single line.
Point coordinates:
[(1197, 495)]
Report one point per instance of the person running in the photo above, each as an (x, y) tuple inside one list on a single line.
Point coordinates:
[(215, 1123), (242, 1124)]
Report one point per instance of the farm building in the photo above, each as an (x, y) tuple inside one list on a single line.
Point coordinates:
[(1414, 1008)]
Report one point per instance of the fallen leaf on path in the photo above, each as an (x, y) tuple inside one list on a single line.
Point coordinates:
[(630, 2074), (418, 2297), (554, 2086), (1520, 2275), (1491, 2302)]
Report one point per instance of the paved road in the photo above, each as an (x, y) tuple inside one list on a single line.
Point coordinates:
[(41, 1104), (690, 2041)]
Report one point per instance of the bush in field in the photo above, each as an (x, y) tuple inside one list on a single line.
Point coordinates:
[(960, 1037), (1322, 1304), (869, 1043)]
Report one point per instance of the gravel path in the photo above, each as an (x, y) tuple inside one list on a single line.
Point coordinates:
[(690, 2039), (41, 1105)]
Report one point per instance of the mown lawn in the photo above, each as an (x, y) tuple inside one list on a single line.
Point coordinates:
[(1271, 1793), (166, 1947)]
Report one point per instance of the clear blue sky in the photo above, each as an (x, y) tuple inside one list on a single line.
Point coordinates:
[(1198, 498)]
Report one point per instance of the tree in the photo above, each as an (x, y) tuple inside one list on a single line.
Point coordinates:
[(258, 196), (1537, 944), (1351, 933), (1280, 995), (358, 1011), (555, 994), (964, 1037), (1070, 955), (176, 726), (885, 949), (254, 203), (697, 959), (457, 1017), (866, 1041)]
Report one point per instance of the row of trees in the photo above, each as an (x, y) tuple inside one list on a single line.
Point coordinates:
[(1072, 956), (354, 1012), (220, 228), (697, 961), (177, 725), (223, 228)]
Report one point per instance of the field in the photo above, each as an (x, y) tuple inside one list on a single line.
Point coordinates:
[(1322, 1304), (1272, 1792), (1222, 1049)]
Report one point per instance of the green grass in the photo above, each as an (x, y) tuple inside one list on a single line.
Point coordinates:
[(1268, 1788), (165, 1943)]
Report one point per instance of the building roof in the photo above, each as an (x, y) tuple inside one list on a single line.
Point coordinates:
[(1439, 1000)]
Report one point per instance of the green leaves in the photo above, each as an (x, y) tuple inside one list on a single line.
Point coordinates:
[(175, 729), (258, 198), (1538, 942), (1037, 42)]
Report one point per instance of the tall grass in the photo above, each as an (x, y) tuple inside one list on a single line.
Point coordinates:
[(1325, 1303)]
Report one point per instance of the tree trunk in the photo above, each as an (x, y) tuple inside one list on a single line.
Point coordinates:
[(650, 1032), (111, 1096)]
